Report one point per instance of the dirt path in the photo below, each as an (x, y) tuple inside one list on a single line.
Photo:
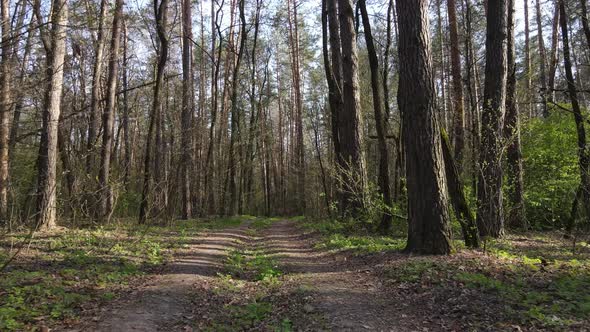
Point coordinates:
[(164, 302), (317, 290)]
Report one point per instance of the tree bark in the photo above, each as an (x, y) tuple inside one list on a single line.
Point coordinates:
[(384, 181), (553, 56), (5, 107), (429, 230), (457, 82), (47, 160), (490, 216), (516, 214), (187, 110), (94, 121), (350, 122), (543, 61), (108, 118), (161, 12)]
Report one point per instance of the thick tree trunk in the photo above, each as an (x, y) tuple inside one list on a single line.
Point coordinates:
[(47, 160), (429, 231), (384, 181), (583, 156), (108, 118), (187, 110), (490, 216), (126, 129), (516, 214), (350, 122)]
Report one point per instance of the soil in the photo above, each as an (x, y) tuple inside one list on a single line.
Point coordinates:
[(318, 291)]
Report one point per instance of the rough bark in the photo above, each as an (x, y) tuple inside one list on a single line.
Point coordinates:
[(490, 216), (527, 60), (349, 119), (428, 231)]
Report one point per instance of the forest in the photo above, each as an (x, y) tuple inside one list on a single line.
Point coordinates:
[(294, 165)]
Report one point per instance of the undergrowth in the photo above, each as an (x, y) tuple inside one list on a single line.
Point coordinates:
[(60, 273)]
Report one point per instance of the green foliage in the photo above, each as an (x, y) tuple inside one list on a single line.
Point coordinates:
[(551, 172), (362, 244), (263, 223), (257, 266)]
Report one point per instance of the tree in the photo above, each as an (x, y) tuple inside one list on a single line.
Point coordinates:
[(542, 60), (457, 82), (349, 117), (47, 159), (94, 121), (428, 218), (384, 182), (161, 15), (187, 109), (490, 216), (516, 215), (5, 106), (108, 117)]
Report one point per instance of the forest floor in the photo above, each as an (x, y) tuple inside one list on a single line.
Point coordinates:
[(265, 274)]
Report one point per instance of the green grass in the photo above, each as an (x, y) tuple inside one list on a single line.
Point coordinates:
[(69, 268), (361, 244)]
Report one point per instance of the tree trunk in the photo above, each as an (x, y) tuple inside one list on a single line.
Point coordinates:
[(161, 13), (457, 196), (543, 61), (5, 107), (350, 122), (187, 110), (232, 204), (516, 214), (585, 25), (94, 123), (384, 181), (490, 216), (429, 230), (457, 82), (527, 60), (47, 160), (583, 157), (108, 118), (553, 56)]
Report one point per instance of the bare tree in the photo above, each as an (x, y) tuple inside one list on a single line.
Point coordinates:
[(47, 160)]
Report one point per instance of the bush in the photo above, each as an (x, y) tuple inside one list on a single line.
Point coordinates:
[(551, 173)]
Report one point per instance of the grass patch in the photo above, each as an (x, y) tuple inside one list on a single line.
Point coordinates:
[(361, 244), (70, 269), (532, 281), (255, 266)]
